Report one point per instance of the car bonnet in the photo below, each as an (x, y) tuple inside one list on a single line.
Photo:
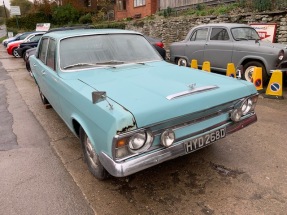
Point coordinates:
[(144, 89)]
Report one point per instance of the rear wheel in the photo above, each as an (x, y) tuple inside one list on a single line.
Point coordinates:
[(182, 62), (91, 157), (43, 98), (248, 69)]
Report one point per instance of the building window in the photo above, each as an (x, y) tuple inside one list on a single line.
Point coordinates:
[(121, 4), (138, 3)]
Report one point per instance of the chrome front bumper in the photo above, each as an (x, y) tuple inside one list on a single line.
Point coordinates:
[(128, 167)]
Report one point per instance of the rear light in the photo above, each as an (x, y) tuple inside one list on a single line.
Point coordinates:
[(159, 44), (281, 55)]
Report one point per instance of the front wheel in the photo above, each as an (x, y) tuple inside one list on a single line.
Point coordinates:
[(15, 53), (248, 69), (91, 157), (182, 62)]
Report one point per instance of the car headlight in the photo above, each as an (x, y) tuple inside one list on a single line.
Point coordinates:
[(135, 143), (244, 107), (167, 138)]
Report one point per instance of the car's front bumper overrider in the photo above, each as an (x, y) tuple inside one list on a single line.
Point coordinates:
[(128, 167)]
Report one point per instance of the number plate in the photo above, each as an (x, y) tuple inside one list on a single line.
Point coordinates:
[(204, 140)]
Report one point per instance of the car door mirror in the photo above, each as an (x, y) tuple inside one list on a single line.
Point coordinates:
[(98, 96)]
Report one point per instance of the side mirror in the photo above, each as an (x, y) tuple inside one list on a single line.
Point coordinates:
[(98, 96)]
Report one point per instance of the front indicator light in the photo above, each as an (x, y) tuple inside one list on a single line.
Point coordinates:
[(167, 138)]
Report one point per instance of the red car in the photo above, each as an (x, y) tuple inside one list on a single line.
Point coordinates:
[(11, 47)]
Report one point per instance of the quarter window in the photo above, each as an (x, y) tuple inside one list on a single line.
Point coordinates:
[(200, 34), (138, 3), (43, 49), (219, 34), (51, 54), (121, 5)]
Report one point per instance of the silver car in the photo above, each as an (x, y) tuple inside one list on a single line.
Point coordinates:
[(225, 43)]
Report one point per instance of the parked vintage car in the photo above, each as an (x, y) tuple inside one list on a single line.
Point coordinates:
[(131, 109), (225, 43)]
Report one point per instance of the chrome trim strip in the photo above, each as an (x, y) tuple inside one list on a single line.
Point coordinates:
[(192, 91), (128, 167)]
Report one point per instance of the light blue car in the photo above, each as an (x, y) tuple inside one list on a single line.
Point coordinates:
[(130, 109)]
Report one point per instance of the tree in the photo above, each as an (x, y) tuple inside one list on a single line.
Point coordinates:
[(2, 12), (25, 5), (64, 15)]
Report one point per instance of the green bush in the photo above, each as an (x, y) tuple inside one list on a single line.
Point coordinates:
[(262, 5), (63, 15), (86, 19), (28, 22)]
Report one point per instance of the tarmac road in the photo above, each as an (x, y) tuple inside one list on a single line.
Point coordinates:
[(244, 173), (32, 177)]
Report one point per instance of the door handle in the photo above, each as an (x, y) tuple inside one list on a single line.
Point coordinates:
[(34, 65), (43, 72)]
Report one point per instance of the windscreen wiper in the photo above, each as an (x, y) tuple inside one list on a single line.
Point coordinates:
[(80, 64)]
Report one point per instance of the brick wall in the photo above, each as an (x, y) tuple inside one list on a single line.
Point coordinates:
[(141, 11)]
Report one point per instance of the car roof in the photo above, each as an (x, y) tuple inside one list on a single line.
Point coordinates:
[(228, 25), (79, 32)]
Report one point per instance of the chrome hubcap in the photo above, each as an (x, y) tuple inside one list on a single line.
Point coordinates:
[(91, 155), (248, 73), (182, 62)]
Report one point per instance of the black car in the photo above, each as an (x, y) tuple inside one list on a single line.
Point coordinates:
[(28, 53), (158, 45)]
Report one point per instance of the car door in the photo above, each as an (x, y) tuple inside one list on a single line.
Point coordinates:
[(218, 48), (195, 46), (51, 79), (38, 66)]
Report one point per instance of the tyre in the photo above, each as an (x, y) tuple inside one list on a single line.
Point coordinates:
[(43, 98), (91, 157), (248, 69), (182, 62), (15, 54), (24, 55)]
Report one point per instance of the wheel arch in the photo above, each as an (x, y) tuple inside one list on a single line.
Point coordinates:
[(249, 59), (176, 58)]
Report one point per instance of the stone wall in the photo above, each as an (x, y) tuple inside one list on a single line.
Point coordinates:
[(176, 28)]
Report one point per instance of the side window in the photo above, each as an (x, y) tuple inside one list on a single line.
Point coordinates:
[(200, 34), (219, 34), (35, 38), (51, 54), (121, 5), (43, 49)]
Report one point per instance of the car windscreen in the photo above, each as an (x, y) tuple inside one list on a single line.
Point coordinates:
[(105, 50), (245, 33)]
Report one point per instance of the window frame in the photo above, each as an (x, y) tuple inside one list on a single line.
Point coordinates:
[(139, 3), (121, 5), (40, 50), (221, 29), (53, 67), (195, 34)]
